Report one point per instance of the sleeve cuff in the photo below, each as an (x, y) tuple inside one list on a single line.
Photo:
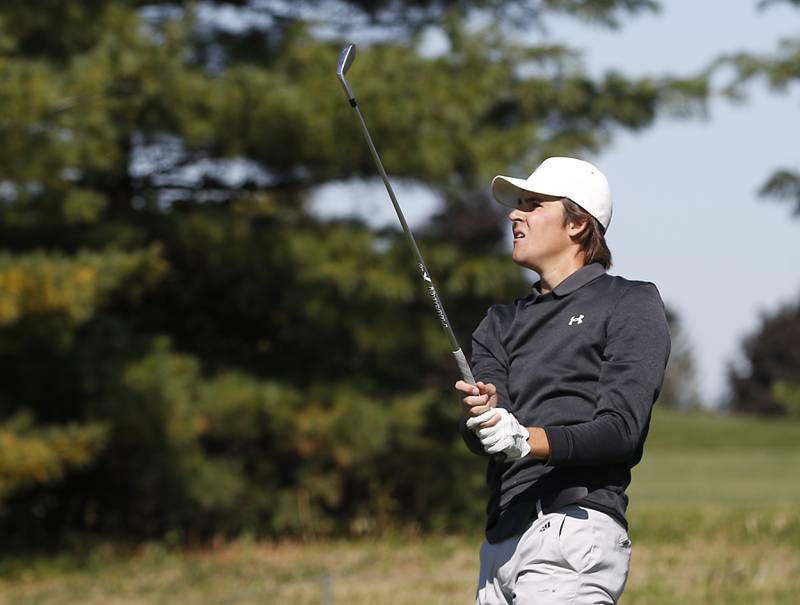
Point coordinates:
[(557, 438)]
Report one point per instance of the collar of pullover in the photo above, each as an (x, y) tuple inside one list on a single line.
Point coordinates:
[(575, 281)]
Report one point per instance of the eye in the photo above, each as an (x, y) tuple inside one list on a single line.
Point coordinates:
[(528, 205)]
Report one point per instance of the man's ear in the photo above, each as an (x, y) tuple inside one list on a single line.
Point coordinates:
[(575, 229)]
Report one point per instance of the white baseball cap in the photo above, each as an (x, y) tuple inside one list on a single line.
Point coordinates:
[(576, 179)]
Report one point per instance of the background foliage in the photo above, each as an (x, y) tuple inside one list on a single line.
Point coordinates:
[(187, 348)]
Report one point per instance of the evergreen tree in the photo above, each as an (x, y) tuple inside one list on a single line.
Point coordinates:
[(188, 348)]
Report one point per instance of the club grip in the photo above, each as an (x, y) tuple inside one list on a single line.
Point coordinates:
[(463, 366), (466, 374)]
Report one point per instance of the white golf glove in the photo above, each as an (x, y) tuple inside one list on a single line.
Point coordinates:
[(473, 422), (507, 436)]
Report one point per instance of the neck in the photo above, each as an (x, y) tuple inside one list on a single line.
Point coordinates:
[(555, 273)]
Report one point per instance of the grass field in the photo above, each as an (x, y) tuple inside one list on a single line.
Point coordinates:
[(714, 519)]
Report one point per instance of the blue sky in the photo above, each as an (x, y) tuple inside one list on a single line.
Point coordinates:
[(686, 212)]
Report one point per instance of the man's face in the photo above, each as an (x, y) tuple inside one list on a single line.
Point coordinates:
[(540, 237)]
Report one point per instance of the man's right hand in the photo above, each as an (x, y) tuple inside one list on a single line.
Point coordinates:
[(478, 405)]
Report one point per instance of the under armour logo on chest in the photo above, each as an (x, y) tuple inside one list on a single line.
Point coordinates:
[(576, 320)]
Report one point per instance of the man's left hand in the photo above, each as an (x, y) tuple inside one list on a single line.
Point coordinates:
[(506, 435)]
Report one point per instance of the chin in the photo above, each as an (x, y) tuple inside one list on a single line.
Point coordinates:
[(522, 262)]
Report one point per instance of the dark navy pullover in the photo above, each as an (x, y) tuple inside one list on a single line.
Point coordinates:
[(585, 362)]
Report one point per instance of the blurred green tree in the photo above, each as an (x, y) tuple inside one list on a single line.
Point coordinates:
[(680, 389), (181, 332), (788, 395), (772, 364)]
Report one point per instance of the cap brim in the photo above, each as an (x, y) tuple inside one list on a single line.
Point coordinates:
[(508, 190)]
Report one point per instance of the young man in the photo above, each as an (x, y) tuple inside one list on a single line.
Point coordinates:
[(567, 378)]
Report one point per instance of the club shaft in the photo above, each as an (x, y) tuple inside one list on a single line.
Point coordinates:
[(463, 365)]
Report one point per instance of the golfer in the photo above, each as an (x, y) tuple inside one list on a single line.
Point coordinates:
[(567, 378)]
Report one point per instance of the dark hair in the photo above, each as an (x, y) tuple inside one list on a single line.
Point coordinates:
[(592, 238)]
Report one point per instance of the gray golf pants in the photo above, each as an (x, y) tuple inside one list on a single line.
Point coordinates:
[(574, 555)]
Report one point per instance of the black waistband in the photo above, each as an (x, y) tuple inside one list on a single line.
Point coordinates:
[(555, 500), (513, 520)]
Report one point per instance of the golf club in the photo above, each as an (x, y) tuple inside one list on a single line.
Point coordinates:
[(346, 59)]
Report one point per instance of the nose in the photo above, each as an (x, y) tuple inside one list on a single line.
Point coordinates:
[(516, 215)]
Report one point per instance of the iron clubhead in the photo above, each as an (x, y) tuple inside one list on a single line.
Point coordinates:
[(346, 58)]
